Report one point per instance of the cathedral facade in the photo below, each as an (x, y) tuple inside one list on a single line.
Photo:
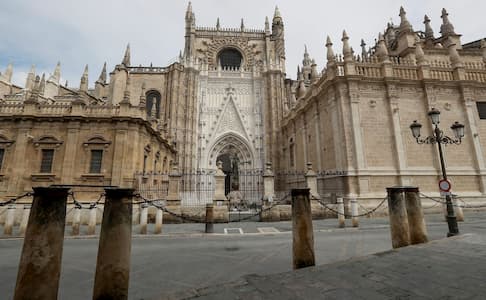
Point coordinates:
[(227, 99)]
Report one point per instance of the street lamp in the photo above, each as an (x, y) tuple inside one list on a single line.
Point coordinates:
[(439, 138)]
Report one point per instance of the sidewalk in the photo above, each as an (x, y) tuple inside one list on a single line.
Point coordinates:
[(453, 268)]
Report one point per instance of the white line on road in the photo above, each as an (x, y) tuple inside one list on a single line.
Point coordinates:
[(267, 230), (232, 230)]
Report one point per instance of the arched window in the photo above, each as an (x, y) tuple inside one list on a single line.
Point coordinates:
[(291, 153), (230, 58), (151, 97)]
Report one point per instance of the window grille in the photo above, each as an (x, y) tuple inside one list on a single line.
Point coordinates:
[(47, 159), (96, 159)]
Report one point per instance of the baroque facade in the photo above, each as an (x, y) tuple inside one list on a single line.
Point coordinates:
[(228, 99)]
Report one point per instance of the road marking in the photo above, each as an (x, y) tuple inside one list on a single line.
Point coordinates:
[(233, 231), (267, 229)]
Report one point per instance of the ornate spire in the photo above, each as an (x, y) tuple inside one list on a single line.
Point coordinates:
[(30, 81), (419, 53), (84, 80), (446, 28), (330, 52), (404, 23), (347, 53), (267, 25), (143, 99), (102, 78), (382, 51), (429, 32), (56, 76), (189, 11), (218, 25), (276, 14), (306, 61), (42, 84), (126, 57), (364, 52), (242, 25)]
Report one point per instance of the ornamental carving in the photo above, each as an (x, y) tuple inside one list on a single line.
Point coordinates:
[(241, 44)]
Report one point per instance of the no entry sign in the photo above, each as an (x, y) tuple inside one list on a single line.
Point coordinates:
[(444, 185)]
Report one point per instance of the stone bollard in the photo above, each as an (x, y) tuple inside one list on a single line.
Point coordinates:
[(159, 215), (143, 218), (113, 262), (209, 218), (457, 210), (416, 221), (341, 216), (25, 219), (92, 221), (302, 231), (9, 220), (399, 228), (40, 262), (354, 212), (76, 221)]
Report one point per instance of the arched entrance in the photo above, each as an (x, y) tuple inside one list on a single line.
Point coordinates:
[(231, 168)]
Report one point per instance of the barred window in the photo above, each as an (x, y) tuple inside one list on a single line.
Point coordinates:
[(2, 153), (96, 159), (230, 58), (46, 161), (481, 109)]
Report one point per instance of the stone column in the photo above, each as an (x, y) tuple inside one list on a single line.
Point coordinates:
[(40, 262), (399, 228), (76, 221), (416, 221), (9, 220), (173, 196), (219, 198), (268, 185), (311, 180), (302, 231), (209, 218), (143, 218), (25, 219), (341, 216), (458, 210), (113, 262), (354, 212), (92, 221), (159, 215)]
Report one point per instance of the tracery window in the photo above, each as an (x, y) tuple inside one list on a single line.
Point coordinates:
[(230, 58)]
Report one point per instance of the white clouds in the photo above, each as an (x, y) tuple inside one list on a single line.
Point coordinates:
[(93, 31)]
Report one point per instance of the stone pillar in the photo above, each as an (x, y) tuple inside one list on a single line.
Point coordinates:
[(399, 228), (159, 215), (25, 219), (416, 221), (302, 231), (76, 221), (311, 180), (113, 262), (143, 218), (219, 198), (92, 221), (458, 210), (9, 220), (341, 216), (40, 262), (268, 185), (354, 212), (173, 196), (209, 218)]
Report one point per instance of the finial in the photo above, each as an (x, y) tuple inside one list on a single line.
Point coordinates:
[(382, 51), (126, 57), (242, 25), (429, 32), (299, 74), (126, 94), (330, 52), (301, 89), (218, 26), (267, 25), (7, 76), (446, 28), (29, 83), (56, 76), (347, 53), (277, 13), (42, 84), (306, 61), (404, 23), (364, 53), (66, 83), (453, 54), (189, 13), (83, 86), (314, 74), (102, 78), (419, 52)]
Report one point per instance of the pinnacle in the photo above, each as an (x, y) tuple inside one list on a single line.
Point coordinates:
[(328, 41), (277, 13), (126, 57)]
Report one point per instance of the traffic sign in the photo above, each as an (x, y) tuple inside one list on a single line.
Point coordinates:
[(444, 185)]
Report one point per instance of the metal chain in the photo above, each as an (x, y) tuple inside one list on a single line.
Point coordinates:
[(14, 199), (462, 206), (79, 205), (347, 215)]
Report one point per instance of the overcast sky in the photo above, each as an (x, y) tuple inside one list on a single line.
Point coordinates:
[(42, 32)]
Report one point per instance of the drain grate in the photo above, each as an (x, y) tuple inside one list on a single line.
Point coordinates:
[(267, 229), (233, 231)]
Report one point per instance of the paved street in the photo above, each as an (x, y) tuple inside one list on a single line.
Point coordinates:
[(185, 259)]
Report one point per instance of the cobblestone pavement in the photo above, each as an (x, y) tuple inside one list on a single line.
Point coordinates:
[(452, 268)]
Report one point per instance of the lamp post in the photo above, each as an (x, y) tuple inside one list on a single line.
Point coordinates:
[(439, 138)]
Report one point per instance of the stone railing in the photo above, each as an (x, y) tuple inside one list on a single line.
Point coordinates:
[(476, 75), (369, 70), (54, 109), (441, 74)]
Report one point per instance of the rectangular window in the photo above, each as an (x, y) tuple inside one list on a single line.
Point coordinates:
[(481, 109), (2, 153), (95, 164), (47, 159)]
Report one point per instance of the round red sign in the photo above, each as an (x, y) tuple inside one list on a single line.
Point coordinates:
[(444, 185)]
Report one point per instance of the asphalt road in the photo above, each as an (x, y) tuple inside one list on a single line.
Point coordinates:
[(187, 259)]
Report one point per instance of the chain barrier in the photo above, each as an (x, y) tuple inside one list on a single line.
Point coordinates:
[(465, 205), (14, 199), (79, 205), (369, 212)]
